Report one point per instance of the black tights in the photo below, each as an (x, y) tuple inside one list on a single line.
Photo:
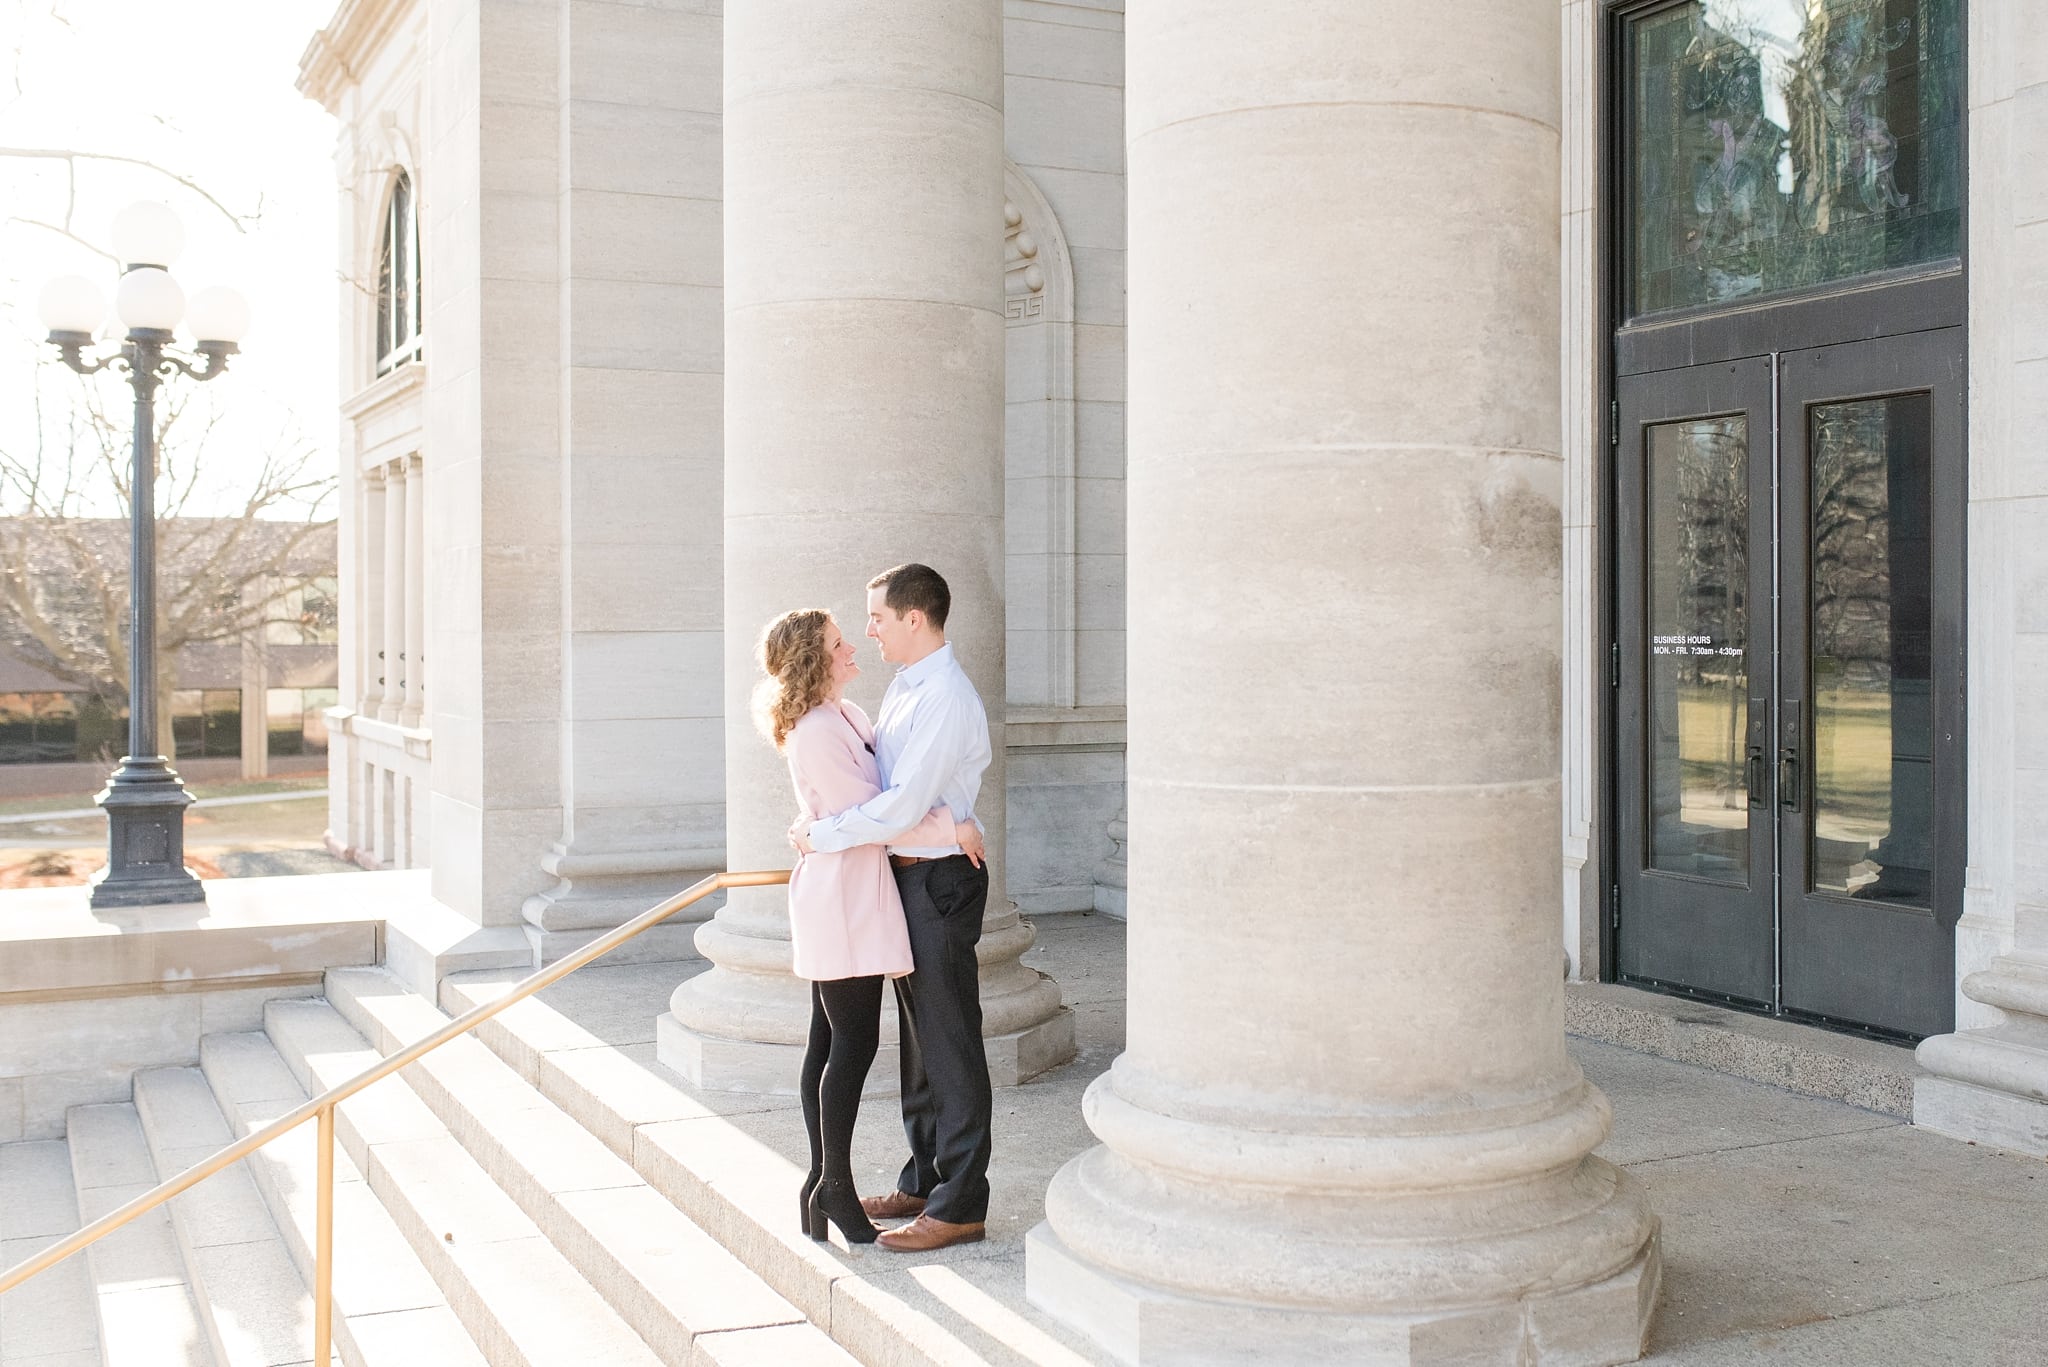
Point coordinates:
[(846, 1030)]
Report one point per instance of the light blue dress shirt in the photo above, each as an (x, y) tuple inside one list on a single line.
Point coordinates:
[(931, 745)]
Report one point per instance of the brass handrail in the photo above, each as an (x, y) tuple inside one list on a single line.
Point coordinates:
[(322, 1108)]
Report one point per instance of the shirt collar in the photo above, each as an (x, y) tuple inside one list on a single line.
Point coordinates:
[(911, 676)]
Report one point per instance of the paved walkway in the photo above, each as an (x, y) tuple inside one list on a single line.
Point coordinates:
[(1796, 1231)]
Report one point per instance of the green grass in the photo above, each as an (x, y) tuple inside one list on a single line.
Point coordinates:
[(65, 802)]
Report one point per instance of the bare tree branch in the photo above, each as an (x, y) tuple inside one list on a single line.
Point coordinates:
[(65, 233), (72, 156)]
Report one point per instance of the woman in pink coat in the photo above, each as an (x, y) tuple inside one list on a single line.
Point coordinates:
[(845, 917)]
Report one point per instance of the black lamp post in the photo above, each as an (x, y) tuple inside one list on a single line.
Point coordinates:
[(144, 800)]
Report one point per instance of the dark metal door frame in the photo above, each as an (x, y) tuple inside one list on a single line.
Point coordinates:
[(1682, 931)]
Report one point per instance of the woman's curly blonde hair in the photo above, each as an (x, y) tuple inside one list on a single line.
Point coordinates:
[(799, 668)]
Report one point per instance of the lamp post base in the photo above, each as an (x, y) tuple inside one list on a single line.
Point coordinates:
[(145, 805)]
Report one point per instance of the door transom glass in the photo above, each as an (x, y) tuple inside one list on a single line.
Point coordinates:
[(1779, 145)]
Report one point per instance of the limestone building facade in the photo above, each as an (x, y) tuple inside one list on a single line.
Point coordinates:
[(1423, 515)]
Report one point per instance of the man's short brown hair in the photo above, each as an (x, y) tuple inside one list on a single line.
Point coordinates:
[(915, 586)]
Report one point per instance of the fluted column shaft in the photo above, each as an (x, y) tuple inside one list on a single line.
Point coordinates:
[(415, 671), (392, 701), (863, 428), (370, 686), (1345, 1127)]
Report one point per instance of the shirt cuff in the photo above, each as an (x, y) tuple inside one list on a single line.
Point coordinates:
[(824, 840)]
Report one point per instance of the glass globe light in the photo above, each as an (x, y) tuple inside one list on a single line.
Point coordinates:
[(72, 303), (148, 298), (217, 314), (148, 233)]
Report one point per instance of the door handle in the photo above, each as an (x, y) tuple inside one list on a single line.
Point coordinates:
[(1788, 755), (1753, 777)]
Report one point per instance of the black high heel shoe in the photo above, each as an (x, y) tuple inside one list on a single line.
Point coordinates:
[(838, 1202), (814, 1228)]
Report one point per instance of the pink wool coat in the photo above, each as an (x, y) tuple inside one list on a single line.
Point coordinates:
[(845, 917)]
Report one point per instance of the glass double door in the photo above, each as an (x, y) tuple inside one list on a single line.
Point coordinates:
[(1788, 674)]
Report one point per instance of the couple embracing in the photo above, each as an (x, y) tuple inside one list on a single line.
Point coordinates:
[(889, 885)]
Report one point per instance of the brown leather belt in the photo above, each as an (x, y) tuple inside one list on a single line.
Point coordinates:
[(904, 861)]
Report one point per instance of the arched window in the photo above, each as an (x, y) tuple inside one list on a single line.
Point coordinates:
[(398, 279)]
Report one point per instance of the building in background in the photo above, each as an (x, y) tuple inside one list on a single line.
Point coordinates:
[(250, 681)]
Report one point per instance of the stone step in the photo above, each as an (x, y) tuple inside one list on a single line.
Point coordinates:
[(522, 1302), (1870, 1073), (388, 1311), (883, 1309), (52, 1318), (677, 1285), (147, 1314), (253, 1305)]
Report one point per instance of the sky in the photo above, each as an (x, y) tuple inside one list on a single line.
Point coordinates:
[(204, 89)]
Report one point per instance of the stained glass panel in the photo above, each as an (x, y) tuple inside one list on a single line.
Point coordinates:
[(1776, 145)]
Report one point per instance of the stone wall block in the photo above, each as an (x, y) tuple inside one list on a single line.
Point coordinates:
[(646, 56), (1073, 127)]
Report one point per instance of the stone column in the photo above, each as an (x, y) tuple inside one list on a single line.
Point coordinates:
[(493, 593), (1988, 1081), (863, 428), (641, 739), (415, 664), (1345, 1127), (392, 663)]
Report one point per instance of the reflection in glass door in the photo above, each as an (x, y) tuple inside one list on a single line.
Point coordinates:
[(1698, 480), (1873, 741)]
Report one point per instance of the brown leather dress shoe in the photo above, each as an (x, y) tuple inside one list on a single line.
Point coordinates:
[(897, 1205), (924, 1234)]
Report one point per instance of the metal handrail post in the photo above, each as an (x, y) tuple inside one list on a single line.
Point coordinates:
[(323, 1247)]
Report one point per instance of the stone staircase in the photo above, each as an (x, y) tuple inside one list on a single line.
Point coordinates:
[(476, 1220)]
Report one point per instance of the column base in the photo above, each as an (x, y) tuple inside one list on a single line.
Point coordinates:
[(1990, 1085), (711, 1063), (1146, 1326), (1021, 1055), (425, 941), (1982, 1116), (600, 891)]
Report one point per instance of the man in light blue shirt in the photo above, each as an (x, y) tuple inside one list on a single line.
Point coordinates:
[(932, 747)]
